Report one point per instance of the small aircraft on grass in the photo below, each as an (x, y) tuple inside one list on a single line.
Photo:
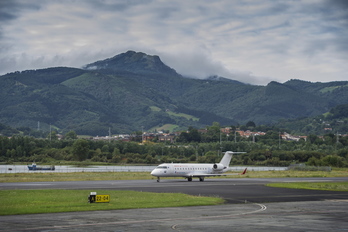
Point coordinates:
[(200, 171)]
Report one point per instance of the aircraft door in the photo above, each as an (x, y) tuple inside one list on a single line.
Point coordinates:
[(170, 169)]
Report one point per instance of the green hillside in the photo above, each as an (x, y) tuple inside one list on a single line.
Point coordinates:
[(334, 121), (133, 90)]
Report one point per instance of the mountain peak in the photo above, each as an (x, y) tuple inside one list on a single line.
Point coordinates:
[(131, 61), (222, 79)]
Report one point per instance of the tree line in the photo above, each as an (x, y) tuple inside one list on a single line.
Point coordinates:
[(190, 146)]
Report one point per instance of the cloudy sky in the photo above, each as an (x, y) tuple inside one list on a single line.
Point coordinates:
[(248, 40)]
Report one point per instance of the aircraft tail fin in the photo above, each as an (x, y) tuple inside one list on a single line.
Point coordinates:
[(226, 159)]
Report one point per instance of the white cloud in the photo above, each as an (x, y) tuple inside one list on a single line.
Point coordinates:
[(252, 41)]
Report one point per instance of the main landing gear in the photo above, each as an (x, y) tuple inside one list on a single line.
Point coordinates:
[(188, 178), (200, 178)]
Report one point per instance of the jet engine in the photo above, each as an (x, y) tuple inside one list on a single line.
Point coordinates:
[(218, 167)]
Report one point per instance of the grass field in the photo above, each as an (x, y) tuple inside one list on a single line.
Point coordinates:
[(88, 176), (54, 201), (329, 186)]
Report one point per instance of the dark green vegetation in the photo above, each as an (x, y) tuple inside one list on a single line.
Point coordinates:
[(133, 90), (54, 201), (267, 150), (330, 186), (334, 121)]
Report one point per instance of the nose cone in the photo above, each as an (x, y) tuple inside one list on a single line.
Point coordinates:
[(153, 172)]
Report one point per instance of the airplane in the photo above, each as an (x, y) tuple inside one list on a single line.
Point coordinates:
[(200, 171)]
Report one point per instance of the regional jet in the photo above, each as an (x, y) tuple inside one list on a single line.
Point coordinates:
[(200, 171)]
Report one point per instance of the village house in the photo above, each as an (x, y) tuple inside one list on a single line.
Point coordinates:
[(286, 136)]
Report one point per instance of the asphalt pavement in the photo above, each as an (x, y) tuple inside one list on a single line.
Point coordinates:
[(250, 206)]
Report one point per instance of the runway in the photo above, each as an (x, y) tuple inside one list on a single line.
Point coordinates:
[(249, 206), (232, 190)]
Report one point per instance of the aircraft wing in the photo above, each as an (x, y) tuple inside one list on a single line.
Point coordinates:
[(222, 174)]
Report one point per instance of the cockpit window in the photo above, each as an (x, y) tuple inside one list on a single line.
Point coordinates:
[(162, 167)]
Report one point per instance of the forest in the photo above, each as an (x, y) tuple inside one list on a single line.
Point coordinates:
[(191, 146)]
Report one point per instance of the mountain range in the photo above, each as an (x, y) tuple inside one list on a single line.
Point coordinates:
[(134, 91)]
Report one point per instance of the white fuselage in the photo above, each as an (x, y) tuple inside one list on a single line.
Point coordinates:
[(184, 170), (190, 171)]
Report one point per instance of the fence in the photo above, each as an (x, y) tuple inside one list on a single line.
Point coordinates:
[(303, 167), (59, 168)]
